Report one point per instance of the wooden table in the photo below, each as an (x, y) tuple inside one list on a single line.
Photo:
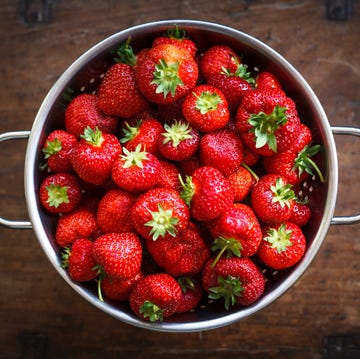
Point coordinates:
[(42, 317)]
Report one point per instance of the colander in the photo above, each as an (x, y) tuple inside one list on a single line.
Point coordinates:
[(85, 74)]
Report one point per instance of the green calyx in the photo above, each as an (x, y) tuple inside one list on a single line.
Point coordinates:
[(229, 288), (134, 158), (304, 162), (162, 223), (176, 33), (151, 311), (280, 238), (52, 148), (264, 126), (241, 71), (125, 54), (188, 189), (93, 137), (207, 101), (130, 132), (186, 284), (57, 195), (166, 77), (283, 193), (176, 133), (65, 255), (230, 246)]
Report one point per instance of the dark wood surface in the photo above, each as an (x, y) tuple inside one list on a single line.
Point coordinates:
[(43, 317)]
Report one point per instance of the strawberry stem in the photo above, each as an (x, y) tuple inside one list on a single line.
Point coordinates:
[(256, 177), (176, 33), (230, 245), (125, 54)]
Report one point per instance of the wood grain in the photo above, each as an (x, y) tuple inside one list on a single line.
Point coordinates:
[(43, 317)]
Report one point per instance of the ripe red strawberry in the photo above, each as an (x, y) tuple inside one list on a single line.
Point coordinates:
[(82, 112), (78, 260), (184, 254), (206, 108), (237, 231), (119, 289), (217, 58), (160, 212), (301, 214), (272, 199), (232, 84), (223, 150), (177, 37), (192, 293), (241, 182), (136, 171), (267, 79), (207, 192), (236, 280), (283, 245), (60, 193), (118, 94), (57, 148), (145, 130), (169, 176), (179, 141), (92, 158), (295, 164), (113, 211), (166, 73), (118, 255), (268, 121), (155, 297), (81, 223)]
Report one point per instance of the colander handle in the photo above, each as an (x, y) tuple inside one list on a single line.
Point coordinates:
[(5, 222), (349, 131)]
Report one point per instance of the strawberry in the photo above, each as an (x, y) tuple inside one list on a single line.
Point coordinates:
[(282, 246), (236, 280), (60, 193), (184, 254), (136, 171), (241, 182), (206, 108), (272, 199), (268, 121), (166, 73), (232, 84), (145, 130), (301, 214), (296, 164), (169, 175), (118, 94), (82, 112), (177, 37), (179, 141), (113, 211), (94, 155), (217, 58), (189, 166), (80, 223), (223, 150), (236, 231), (207, 192), (118, 255), (57, 148), (267, 79), (78, 260), (192, 293), (155, 297), (169, 112), (160, 212), (119, 289)]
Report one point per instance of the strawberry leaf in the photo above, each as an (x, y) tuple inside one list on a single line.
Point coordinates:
[(229, 245), (93, 137), (207, 101), (188, 189), (151, 311), (166, 77), (229, 288), (57, 195), (125, 54), (283, 193), (176, 133), (280, 238), (134, 158), (52, 148)]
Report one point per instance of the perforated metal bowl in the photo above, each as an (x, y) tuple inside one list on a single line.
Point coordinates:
[(85, 74)]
